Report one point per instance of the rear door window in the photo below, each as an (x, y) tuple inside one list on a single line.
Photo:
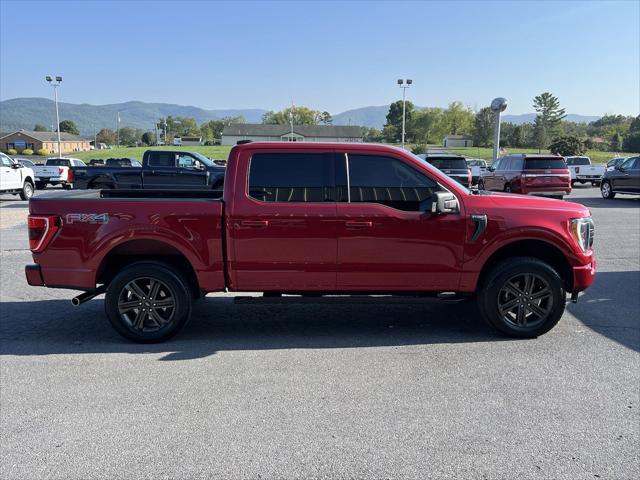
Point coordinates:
[(545, 164), (162, 159), (388, 181), (291, 177)]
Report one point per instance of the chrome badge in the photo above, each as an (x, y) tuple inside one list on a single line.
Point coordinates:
[(87, 218)]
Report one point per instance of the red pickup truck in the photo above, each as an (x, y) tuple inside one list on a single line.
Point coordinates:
[(313, 219)]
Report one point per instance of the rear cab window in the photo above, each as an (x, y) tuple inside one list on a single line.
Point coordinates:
[(574, 161), (58, 162), (448, 163), (292, 177), (550, 163)]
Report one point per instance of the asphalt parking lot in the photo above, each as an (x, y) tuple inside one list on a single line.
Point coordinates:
[(342, 389)]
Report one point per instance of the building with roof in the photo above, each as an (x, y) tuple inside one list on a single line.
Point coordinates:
[(258, 132), (457, 141), (43, 140)]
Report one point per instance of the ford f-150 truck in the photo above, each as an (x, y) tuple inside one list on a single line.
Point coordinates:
[(160, 169), (583, 171), (313, 219)]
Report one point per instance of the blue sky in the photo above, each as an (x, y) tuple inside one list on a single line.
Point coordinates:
[(328, 55)]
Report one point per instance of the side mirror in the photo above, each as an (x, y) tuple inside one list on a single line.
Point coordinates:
[(444, 202), (619, 167), (491, 169), (16, 165)]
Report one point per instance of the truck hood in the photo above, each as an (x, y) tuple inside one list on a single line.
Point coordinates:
[(526, 202)]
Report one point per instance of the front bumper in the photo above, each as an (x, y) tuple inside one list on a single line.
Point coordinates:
[(583, 276)]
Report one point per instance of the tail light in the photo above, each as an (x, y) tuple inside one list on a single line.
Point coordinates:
[(42, 229), (71, 175)]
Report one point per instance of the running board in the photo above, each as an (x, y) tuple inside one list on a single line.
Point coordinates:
[(345, 299)]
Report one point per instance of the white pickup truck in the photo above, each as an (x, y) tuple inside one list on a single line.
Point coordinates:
[(583, 171), (56, 171), (15, 178)]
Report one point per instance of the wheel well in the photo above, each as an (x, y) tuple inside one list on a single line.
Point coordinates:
[(531, 248), (151, 250), (99, 181), (29, 179)]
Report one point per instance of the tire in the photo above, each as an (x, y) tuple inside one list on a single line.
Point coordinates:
[(606, 190), (66, 186), (27, 190), (558, 197), (507, 188), (41, 185), (141, 327), (480, 185), (573, 184), (522, 320)]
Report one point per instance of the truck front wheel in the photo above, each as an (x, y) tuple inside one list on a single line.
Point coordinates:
[(148, 302), (522, 297)]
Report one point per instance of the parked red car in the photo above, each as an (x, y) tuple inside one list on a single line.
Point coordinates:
[(546, 175), (313, 218)]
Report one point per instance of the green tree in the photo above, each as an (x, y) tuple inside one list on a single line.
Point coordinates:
[(567, 145), (106, 136), (128, 136), (212, 130), (631, 142), (301, 116), (180, 126), (616, 142), (69, 126), (325, 118), (372, 135), (458, 119), (549, 116), (539, 135), (427, 125), (634, 126), (483, 127), (40, 128), (393, 128), (149, 138)]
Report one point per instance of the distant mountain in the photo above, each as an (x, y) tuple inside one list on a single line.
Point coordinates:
[(372, 117), (26, 112), (530, 117)]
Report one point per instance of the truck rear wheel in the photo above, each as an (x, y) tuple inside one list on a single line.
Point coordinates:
[(148, 302), (522, 297)]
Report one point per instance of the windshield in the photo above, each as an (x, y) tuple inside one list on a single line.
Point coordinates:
[(432, 168), (578, 161), (448, 163), (203, 159), (58, 162), (545, 164)]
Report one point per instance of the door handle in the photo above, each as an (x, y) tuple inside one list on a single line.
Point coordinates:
[(255, 223), (354, 224)]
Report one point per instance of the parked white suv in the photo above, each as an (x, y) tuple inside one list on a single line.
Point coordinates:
[(15, 178)]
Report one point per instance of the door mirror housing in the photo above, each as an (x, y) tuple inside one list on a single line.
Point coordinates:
[(491, 169), (620, 168), (444, 202), (16, 165)]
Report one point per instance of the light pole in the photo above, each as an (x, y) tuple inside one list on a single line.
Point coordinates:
[(55, 86), (117, 129), (498, 105), (404, 84)]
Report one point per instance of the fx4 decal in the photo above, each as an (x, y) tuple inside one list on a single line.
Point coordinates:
[(87, 218)]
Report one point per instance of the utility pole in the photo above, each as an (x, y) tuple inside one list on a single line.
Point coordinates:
[(404, 84), (498, 105), (55, 86), (117, 129)]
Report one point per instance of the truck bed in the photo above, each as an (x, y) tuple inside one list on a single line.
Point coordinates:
[(97, 229)]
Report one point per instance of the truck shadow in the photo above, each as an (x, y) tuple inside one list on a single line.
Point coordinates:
[(46, 327), (55, 327), (621, 201)]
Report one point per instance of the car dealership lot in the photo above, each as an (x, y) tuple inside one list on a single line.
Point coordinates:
[(409, 389)]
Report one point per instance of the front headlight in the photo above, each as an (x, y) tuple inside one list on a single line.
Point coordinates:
[(582, 230)]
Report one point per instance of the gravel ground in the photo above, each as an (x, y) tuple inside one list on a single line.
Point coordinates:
[(341, 389)]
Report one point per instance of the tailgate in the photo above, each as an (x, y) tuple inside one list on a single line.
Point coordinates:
[(46, 172), (546, 178)]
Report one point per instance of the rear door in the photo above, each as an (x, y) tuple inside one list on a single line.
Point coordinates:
[(160, 170), (388, 239), (282, 222)]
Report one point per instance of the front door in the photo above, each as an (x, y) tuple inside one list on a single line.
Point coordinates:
[(282, 224), (191, 172), (388, 239), (628, 176)]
